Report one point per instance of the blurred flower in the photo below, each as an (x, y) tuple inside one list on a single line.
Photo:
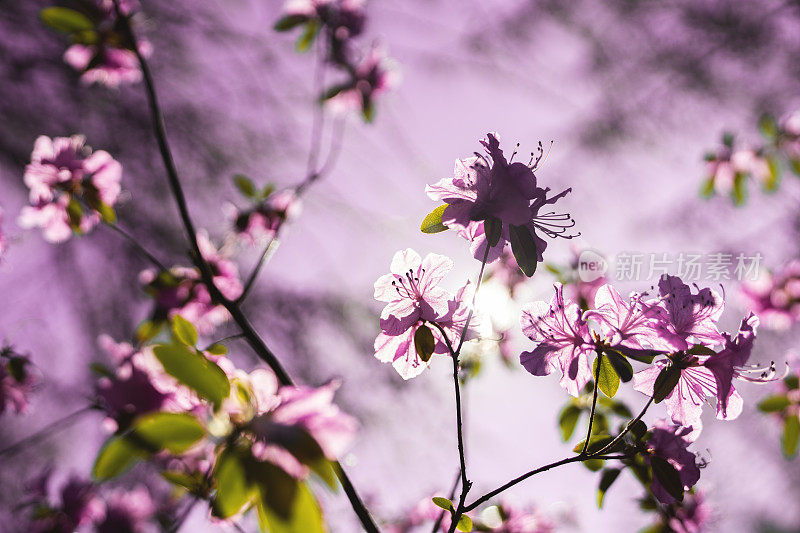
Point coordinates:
[(70, 187), (565, 342), (494, 189), (413, 297), (77, 505), (375, 75), (128, 511), (670, 442), (263, 221), (692, 515), (775, 297), (16, 381), (512, 518), (506, 271)]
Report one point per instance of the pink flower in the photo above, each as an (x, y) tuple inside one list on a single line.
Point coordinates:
[(371, 78), (16, 381), (692, 515), (263, 221), (670, 442), (625, 324), (490, 187), (775, 297), (68, 184), (517, 519), (564, 341), (77, 506), (414, 297), (130, 511), (688, 316)]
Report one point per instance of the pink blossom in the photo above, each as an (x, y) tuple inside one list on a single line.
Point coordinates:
[(77, 505), (263, 221), (414, 297), (692, 515), (131, 511), (64, 170), (625, 324), (775, 297), (371, 78), (518, 519), (16, 381), (564, 341), (670, 442), (485, 187), (687, 315), (106, 65)]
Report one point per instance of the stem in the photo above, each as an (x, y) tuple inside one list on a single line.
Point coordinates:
[(253, 339), (576, 459), (139, 247), (452, 494), (58, 425), (179, 521), (626, 429), (594, 404), (254, 274), (223, 339)]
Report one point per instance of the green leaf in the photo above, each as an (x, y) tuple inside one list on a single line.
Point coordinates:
[(245, 185), (774, 178), (638, 429), (621, 366), (217, 349), (594, 465), (306, 38), (739, 191), (444, 503), (667, 476), (234, 490), (493, 228), (424, 342), (191, 482), (107, 213), (147, 330), (791, 436), (75, 214), (768, 126), (607, 378), (289, 22), (432, 223), (794, 164), (567, 421), (608, 477), (665, 382), (699, 349), (792, 382), (707, 187), (194, 370), (464, 524), (305, 515), (773, 404), (65, 20), (325, 470), (596, 443), (176, 432), (184, 331), (116, 456), (524, 248)]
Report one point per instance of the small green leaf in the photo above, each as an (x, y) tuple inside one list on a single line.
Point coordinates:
[(523, 246), (607, 378), (116, 456), (596, 443), (306, 38), (773, 404), (464, 524), (75, 214), (638, 429), (567, 421), (107, 213), (424, 342), (739, 191), (699, 349), (608, 477), (432, 223), (326, 471), (444, 503), (194, 370), (594, 465), (794, 164), (191, 482), (666, 381), (791, 436), (176, 432), (305, 515), (707, 187), (493, 228), (184, 331), (289, 22), (621, 366), (768, 126), (245, 185), (792, 382), (147, 330), (774, 178), (217, 349), (65, 20), (668, 477), (234, 490)]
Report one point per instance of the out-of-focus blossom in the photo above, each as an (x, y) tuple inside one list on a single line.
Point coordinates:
[(180, 291), (70, 187), (372, 77), (413, 298), (506, 271), (129, 511), (339, 20), (564, 341), (514, 518), (76, 505), (775, 297), (262, 221), (421, 517), (670, 442), (16, 381), (489, 187), (693, 515)]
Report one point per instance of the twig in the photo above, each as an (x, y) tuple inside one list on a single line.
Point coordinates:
[(58, 425), (594, 404), (452, 494), (626, 429), (136, 244), (254, 274)]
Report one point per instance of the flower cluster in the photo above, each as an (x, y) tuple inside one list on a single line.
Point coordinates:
[(775, 296), (16, 381), (267, 212), (340, 22), (80, 504), (102, 50), (492, 201), (71, 187), (414, 300), (730, 167), (181, 291)]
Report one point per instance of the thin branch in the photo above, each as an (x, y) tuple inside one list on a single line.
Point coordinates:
[(626, 429), (223, 339), (451, 495), (179, 521), (139, 247), (46, 431), (594, 404), (254, 274), (254, 340)]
